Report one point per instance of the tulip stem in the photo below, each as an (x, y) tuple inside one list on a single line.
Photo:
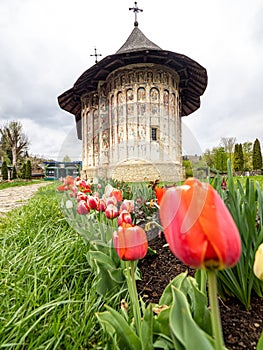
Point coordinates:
[(134, 296), (215, 313)]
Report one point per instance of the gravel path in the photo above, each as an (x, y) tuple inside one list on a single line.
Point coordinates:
[(13, 197)]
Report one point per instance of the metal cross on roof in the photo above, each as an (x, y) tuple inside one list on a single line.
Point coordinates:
[(96, 55), (135, 10)]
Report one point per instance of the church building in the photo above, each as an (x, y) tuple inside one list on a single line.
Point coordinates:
[(128, 109)]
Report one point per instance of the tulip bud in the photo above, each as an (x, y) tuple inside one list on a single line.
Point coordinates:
[(258, 263), (130, 243)]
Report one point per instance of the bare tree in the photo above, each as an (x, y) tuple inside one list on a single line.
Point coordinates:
[(15, 139), (228, 143)]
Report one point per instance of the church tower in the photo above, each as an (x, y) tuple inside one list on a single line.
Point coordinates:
[(128, 110)]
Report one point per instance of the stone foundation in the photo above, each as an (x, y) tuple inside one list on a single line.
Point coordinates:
[(138, 171)]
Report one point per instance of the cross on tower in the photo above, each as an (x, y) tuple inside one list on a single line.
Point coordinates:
[(96, 55), (135, 10)]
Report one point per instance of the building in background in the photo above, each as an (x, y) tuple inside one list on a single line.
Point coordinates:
[(128, 110), (57, 170)]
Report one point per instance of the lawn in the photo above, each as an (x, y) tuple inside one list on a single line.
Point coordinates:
[(46, 285), (15, 183)]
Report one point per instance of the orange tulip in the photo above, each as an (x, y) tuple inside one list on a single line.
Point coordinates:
[(130, 243), (159, 192), (198, 226), (117, 194)]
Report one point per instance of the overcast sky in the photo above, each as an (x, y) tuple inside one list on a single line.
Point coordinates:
[(45, 45)]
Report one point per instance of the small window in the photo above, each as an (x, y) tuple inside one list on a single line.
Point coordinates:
[(154, 134)]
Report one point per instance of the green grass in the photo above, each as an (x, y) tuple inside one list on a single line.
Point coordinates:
[(15, 183), (242, 179), (46, 285)]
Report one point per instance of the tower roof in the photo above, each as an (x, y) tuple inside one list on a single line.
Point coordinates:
[(139, 49), (137, 41)]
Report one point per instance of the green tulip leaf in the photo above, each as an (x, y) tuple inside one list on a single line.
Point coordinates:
[(167, 298), (147, 329), (116, 325), (185, 332), (260, 342), (161, 322)]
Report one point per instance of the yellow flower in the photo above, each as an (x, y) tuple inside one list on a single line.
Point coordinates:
[(258, 263)]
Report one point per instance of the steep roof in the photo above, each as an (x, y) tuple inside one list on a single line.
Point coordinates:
[(137, 41), (139, 49)]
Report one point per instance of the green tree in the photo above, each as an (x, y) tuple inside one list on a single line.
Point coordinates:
[(188, 168), (23, 173), (66, 158), (238, 157), (220, 159), (247, 153), (241, 157), (14, 139), (14, 173), (208, 157), (4, 171), (257, 156), (28, 175)]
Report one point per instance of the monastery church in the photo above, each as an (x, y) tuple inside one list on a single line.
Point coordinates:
[(128, 109)]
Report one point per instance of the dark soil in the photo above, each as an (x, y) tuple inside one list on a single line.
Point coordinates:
[(241, 328)]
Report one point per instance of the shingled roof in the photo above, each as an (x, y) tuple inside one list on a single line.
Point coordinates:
[(139, 49), (137, 41)]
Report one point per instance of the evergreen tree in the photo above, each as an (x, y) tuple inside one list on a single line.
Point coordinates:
[(241, 157), (257, 156), (4, 171), (28, 170), (23, 174), (236, 158), (14, 173)]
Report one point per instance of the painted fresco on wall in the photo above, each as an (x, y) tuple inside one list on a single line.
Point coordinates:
[(96, 122), (141, 94), (154, 100), (105, 139)]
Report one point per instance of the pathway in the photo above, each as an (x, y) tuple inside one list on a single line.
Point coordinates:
[(13, 197)]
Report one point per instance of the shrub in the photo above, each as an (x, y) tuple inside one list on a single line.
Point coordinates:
[(4, 171)]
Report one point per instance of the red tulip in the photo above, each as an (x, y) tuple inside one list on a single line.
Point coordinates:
[(62, 188), (83, 207), (130, 243), (198, 226), (102, 205), (111, 211), (93, 202), (82, 196), (124, 218)]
